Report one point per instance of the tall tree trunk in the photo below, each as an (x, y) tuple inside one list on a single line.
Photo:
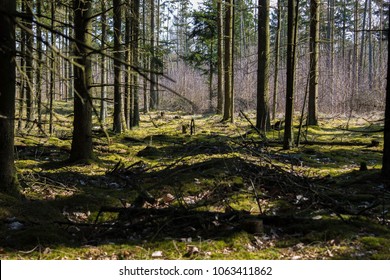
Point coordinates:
[(70, 64), (23, 80), (363, 38), (331, 43), (52, 68), (263, 116), (29, 64), (117, 125), (82, 133), (103, 90), (211, 77), (127, 73), (355, 62), (220, 57), (145, 59), (314, 53), (153, 79), (380, 35), (39, 67), (288, 140), (8, 180), (370, 49), (277, 51), (386, 147), (135, 6), (228, 63)]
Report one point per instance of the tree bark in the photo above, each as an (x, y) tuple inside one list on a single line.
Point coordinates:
[(29, 63), (276, 74), (135, 24), (314, 53), (103, 92), (228, 63), (263, 117), (386, 148), (81, 149), (154, 98), (8, 180), (117, 125), (220, 57), (52, 67), (39, 67), (127, 106), (288, 140)]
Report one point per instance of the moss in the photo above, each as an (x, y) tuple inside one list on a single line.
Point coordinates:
[(376, 243), (215, 166)]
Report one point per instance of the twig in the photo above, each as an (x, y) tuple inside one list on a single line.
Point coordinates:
[(257, 197), (252, 125)]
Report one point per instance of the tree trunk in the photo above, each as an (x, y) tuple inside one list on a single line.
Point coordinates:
[(127, 73), (29, 64), (153, 78), (276, 71), (145, 59), (288, 140), (220, 58), (117, 125), (52, 68), (386, 148), (82, 132), (103, 92), (135, 5), (314, 53), (228, 79), (263, 116), (39, 66), (370, 49), (8, 180), (211, 77)]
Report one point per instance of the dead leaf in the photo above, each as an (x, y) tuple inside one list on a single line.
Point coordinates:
[(208, 253), (167, 198), (299, 246), (250, 247), (191, 250), (329, 253), (157, 254), (46, 251)]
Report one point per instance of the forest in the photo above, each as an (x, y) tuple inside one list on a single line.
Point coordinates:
[(208, 129)]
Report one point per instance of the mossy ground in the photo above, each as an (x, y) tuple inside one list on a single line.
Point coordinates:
[(222, 167)]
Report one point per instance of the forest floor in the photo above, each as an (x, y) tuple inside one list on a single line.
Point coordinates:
[(224, 192)]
